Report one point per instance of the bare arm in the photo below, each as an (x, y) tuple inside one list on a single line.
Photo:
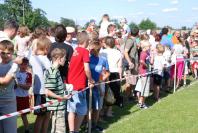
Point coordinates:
[(49, 93), (105, 76), (88, 72), (6, 80)]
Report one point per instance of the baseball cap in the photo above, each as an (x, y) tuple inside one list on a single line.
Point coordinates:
[(70, 29)]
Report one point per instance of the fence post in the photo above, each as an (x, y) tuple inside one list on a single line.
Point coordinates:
[(90, 108), (175, 72)]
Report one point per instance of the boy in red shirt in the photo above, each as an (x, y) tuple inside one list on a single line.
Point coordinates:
[(79, 71)]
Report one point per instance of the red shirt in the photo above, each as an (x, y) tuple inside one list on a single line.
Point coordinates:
[(76, 75), (143, 68)]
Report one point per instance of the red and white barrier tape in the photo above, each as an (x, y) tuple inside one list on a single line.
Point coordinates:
[(28, 110), (55, 101)]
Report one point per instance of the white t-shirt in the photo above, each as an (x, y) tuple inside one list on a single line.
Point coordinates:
[(22, 43), (103, 29), (113, 56), (4, 36), (159, 62), (178, 50), (39, 64), (7, 91)]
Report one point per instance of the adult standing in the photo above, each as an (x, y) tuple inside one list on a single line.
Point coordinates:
[(103, 27), (60, 36), (165, 39), (10, 30), (131, 58), (8, 71), (125, 27)]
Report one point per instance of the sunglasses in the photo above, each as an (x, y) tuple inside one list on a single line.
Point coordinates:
[(6, 53)]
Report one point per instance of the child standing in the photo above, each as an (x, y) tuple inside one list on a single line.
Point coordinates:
[(24, 82), (159, 63), (7, 95), (143, 84), (79, 72), (114, 58), (55, 90), (97, 65), (40, 63)]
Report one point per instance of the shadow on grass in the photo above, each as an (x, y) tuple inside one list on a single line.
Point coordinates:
[(22, 130)]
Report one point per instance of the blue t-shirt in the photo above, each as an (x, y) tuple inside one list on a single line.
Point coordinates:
[(166, 41), (96, 65)]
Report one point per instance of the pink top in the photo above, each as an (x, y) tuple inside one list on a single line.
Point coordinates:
[(143, 57)]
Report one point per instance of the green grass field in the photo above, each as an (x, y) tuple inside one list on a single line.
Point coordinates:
[(175, 113)]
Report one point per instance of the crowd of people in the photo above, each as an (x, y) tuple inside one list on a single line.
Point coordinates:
[(43, 65)]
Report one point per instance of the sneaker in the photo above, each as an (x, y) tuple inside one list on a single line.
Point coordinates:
[(144, 106), (99, 129), (139, 105)]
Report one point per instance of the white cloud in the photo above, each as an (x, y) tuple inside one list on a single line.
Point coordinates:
[(131, 0), (170, 10), (195, 8), (174, 2), (153, 4)]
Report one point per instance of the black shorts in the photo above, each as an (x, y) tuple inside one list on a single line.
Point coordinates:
[(38, 100), (166, 75), (157, 79)]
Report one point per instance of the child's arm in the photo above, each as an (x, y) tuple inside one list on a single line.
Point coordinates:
[(88, 73), (105, 75), (49, 93), (143, 63), (9, 76), (6, 80)]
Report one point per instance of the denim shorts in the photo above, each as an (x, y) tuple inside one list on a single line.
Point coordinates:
[(77, 103), (95, 98)]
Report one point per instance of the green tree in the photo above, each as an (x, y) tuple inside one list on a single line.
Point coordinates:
[(147, 24), (37, 19), (23, 12), (86, 25), (53, 23), (132, 25), (67, 22), (4, 15), (18, 9), (184, 28)]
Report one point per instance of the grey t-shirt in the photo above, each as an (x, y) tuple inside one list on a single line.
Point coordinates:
[(131, 45), (7, 91)]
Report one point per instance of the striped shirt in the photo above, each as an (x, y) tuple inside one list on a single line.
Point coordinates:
[(54, 83)]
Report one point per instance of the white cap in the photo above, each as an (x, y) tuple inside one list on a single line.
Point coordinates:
[(70, 29)]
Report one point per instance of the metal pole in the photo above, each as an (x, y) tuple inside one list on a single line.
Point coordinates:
[(175, 72), (90, 108)]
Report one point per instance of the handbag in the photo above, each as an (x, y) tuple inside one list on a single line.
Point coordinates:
[(109, 97)]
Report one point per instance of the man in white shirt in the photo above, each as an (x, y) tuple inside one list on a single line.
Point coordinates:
[(10, 30)]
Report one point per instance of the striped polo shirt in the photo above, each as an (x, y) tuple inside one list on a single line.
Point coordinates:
[(54, 83)]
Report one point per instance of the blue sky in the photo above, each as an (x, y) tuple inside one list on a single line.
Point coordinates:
[(175, 13)]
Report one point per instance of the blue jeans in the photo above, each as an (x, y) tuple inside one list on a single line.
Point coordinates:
[(8, 125), (78, 104)]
